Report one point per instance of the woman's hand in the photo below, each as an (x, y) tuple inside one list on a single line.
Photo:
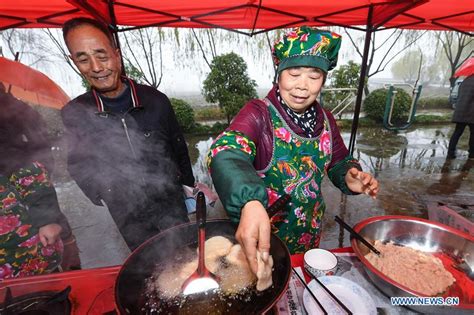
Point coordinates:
[(49, 233), (360, 182), (254, 232)]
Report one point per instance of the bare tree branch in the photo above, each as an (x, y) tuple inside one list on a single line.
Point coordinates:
[(387, 53), (135, 61), (419, 68), (399, 52), (211, 42), (387, 39), (353, 43), (200, 47), (62, 50), (161, 58), (454, 45), (146, 42)]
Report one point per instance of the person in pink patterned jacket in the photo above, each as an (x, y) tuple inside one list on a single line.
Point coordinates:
[(30, 241), (285, 144), (31, 222)]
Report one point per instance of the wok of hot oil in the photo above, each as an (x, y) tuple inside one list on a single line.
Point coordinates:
[(236, 290)]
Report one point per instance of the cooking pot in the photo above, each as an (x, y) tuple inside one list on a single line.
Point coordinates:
[(131, 281)]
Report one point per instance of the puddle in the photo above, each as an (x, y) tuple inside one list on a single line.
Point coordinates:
[(411, 167)]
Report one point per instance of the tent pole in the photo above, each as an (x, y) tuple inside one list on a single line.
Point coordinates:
[(363, 73)]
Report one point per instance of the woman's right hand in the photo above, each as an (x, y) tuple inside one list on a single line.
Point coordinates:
[(254, 232)]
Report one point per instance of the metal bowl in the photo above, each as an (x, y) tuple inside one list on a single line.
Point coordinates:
[(423, 235)]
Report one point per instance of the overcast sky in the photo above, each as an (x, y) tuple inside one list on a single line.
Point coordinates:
[(188, 79)]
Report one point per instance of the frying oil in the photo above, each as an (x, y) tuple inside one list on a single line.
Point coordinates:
[(236, 295)]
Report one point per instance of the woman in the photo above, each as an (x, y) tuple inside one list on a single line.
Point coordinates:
[(31, 222), (285, 144)]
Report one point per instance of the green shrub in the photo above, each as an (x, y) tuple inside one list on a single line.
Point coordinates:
[(219, 127), (228, 84), (209, 113), (434, 102), (374, 105), (215, 129), (184, 113), (346, 76)]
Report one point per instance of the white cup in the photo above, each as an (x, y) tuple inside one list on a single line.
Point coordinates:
[(320, 262)]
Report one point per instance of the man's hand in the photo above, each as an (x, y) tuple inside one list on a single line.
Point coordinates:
[(254, 232), (361, 182), (49, 233)]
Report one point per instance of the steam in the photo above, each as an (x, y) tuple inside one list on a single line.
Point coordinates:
[(139, 186), (200, 167), (23, 135)]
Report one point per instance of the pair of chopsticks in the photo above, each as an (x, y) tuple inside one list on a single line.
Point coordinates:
[(326, 289), (356, 235)]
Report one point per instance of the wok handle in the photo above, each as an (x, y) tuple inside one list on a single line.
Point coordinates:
[(278, 205), (356, 235), (201, 222)]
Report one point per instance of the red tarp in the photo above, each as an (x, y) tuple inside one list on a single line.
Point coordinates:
[(241, 14)]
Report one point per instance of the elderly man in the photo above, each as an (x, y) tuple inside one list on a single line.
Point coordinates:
[(125, 144)]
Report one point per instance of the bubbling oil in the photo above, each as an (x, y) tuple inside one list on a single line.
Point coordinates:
[(236, 290)]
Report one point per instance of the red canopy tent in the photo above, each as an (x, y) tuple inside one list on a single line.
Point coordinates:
[(250, 17), (254, 15)]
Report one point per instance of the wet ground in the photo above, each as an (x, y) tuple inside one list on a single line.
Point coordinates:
[(410, 166)]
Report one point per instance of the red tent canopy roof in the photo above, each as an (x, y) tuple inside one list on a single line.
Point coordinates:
[(244, 14)]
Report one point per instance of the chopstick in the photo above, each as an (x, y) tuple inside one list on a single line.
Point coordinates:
[(356, 235), (309, 290), (332, 295), (278, 205)]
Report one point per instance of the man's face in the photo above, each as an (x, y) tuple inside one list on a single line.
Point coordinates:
[(97, 60)]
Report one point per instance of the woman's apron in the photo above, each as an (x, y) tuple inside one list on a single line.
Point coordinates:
[(297, 168)]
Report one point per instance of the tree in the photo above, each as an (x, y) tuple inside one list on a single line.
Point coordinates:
[(184, 114), (228, 84), (457, 48), (210, 43), (403, 67), (387, 49), (134, 73), (29, 44), (346, 76), (62, 52), (144, 54), (438, 70)]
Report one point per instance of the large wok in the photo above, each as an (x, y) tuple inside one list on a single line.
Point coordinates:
[(131, 280), (426, 236)]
